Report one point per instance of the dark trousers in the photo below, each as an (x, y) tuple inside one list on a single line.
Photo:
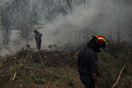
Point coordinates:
[(87, 81), (38, 43)]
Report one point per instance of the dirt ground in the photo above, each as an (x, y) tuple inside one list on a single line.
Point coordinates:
[(60, 65)]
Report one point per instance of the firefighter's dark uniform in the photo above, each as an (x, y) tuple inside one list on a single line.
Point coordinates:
[(38, 39), (87, 63)]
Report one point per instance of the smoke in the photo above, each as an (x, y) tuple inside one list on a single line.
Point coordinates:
[(15, 44), (97, 17), (66, 29)]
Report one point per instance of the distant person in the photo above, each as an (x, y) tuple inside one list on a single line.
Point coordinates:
[(38, 36), (87, 61)]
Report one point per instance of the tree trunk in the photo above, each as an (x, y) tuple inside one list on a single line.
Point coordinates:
[(6, 36)]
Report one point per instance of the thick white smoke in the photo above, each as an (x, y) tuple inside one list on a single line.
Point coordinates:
[(66, 29), (96, 17)]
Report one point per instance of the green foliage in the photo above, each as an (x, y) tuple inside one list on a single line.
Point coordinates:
[(29, 77), (111, 62)]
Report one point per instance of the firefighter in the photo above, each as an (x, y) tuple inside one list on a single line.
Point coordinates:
[(38, 36), (87, 61)]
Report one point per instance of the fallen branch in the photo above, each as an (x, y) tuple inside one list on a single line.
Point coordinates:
[(119, 76), (28, 46), (49, 82), (76, 52), (13, 54), (41, 60), (34, 76), (14, 76), (29, 68)]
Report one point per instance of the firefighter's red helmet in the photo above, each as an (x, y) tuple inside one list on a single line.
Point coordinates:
[(101, 41), (35, 30)]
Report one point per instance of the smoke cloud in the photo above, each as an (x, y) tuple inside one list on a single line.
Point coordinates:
[(97, 17)]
